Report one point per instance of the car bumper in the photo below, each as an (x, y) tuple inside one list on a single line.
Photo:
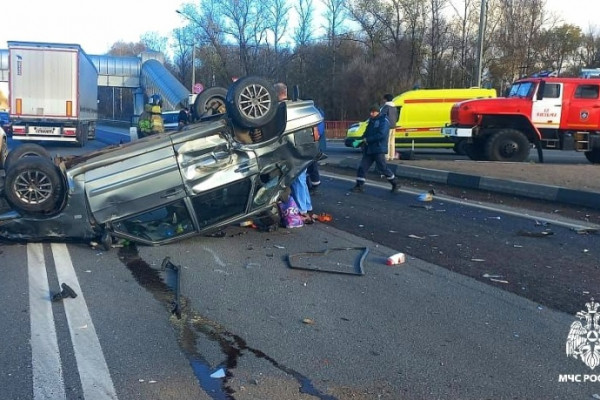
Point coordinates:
[(454, 132)]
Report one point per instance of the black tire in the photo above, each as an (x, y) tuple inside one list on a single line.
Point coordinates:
[(460, 147), (34, 185), (106, 240), (3, 153), (25, 150), (210, 102), (593, 156), (82, 136), (507, 145), (475, 151), (251, 102)]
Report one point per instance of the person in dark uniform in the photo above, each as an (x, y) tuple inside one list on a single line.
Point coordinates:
[(374, 144)]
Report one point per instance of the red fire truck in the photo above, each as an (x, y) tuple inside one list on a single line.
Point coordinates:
[(546, 112)]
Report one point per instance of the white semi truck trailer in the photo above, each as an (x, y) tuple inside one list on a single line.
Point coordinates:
[(53, 92)]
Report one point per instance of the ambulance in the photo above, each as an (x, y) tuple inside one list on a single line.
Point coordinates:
[(422, 115)]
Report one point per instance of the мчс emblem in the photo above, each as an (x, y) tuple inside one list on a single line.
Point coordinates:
[(583, 340), (584, 114)]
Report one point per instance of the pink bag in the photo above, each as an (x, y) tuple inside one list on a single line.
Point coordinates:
[(290, 214)]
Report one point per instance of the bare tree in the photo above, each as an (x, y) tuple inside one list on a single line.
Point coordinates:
[(303, 32)]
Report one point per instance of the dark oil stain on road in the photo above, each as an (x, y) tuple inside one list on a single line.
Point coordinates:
[(191, 324)]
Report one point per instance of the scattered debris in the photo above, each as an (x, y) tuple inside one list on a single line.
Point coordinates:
[(535, 234), (173, 278), (278, 246), (586, 231), (477, 259), (492, 276), (498, 280), (494, 218), (415, 236), (395, 259), (220, 373), (518, 246), (66, 292), (308, 321), (291, 258), (427, 196), (421, 206), (543, 223), (323, 217)]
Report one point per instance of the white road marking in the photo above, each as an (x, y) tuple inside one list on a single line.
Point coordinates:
[(48, 383), (93, 371)]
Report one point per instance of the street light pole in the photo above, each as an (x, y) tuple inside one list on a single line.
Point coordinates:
[(482, 23)]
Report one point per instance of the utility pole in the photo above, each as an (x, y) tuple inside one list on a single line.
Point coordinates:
[(193, 66), (482, 23)]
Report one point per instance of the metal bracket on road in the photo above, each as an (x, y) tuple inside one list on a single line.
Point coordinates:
[(359, 270), (173, 280)]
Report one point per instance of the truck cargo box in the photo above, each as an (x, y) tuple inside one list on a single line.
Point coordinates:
[(53, 91)]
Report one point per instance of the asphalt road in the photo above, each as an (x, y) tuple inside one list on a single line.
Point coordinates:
[(479, 310)]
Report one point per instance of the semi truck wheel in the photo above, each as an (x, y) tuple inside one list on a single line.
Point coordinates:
[(507, 145), (33, 185), (593, 156), (210, 102), (25, 150), (251, 102)]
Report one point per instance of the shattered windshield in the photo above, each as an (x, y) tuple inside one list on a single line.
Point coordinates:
[(521, 89)]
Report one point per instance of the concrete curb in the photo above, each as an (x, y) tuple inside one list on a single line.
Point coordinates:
[(504, 186)]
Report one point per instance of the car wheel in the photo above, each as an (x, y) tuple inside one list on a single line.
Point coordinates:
[(251, 102), (25, 150), (507, 145), (210, 102), (33, 185), (593, 156)]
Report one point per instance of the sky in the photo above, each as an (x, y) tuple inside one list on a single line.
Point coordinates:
[(97, 25)]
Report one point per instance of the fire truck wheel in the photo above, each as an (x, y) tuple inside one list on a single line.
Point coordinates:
[(25, 150), (34, 185), (593, 156), (507, 145), (475, 151)]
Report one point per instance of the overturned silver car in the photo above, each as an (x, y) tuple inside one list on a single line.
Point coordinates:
[(165, 187)]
